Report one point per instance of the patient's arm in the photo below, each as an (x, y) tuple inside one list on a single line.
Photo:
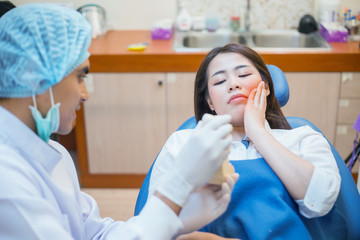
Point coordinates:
[(202, 236), (308, 171)]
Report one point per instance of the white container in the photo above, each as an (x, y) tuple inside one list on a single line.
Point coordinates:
[(242, 11), (183, 20), (198, 23), (328, 10), (96, 15)]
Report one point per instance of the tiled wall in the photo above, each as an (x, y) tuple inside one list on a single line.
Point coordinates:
[(263, 14)]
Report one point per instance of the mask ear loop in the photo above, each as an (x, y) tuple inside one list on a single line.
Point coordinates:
[(34, 101), (51, 97)]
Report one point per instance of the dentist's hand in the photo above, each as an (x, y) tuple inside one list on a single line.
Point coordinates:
[(206, 203), (199, 159), (254, 117)]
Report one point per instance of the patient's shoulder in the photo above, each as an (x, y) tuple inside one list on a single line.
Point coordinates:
[(296, 133), (296, 136)]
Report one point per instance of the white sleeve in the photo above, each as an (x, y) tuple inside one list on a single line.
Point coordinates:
[(155, 221), (325, 182)]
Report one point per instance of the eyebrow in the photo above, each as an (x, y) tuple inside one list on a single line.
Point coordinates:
[(235, 68)]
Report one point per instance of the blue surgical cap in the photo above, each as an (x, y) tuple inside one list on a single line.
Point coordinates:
[(40, 44)]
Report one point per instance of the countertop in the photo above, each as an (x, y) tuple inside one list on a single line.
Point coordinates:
[(109, 54)]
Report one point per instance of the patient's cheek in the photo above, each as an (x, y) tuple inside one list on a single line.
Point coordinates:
[(254, 85), (251, 89)]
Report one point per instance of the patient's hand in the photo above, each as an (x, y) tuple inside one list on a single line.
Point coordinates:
[(254, 118), (202, 236)]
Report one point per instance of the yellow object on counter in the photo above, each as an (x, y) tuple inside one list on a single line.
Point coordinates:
[(137, 47)]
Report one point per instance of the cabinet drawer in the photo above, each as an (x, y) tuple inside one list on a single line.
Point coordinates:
[(349, 110), (350, 85)]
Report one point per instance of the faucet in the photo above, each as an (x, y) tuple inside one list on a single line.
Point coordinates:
[(247, 16)]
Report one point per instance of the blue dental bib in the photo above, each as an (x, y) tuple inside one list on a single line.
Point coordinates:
[(261, 208)]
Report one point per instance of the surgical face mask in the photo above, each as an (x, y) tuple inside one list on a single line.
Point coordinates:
[(50, 124)]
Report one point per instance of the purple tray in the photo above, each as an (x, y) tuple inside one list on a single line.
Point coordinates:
[(160, 33), (333, 36)]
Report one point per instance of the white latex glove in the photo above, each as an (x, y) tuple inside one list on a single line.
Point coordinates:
[(206, 203), (199, 159)]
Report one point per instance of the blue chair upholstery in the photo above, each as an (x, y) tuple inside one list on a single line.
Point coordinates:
[(281, 86), (348, 201)]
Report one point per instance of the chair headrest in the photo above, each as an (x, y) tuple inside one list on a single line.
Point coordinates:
[(281, 86)]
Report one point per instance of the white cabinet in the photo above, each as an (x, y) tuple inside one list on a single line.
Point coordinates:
[(125, 119), (180, 98), (314, 96), (129, 116), (349, 109)]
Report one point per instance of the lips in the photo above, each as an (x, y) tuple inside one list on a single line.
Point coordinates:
[(237, 96)]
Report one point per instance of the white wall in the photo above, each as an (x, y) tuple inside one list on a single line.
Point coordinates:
[(140, 14), (125, 14)]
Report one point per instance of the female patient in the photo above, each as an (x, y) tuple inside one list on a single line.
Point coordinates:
[(286, 175)]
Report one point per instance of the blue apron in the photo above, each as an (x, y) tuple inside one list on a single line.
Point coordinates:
[(261, 208)]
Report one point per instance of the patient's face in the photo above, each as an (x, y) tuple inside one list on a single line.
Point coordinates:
[(231, 78)]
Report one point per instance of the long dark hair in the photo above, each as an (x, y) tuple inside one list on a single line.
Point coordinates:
[(273, 113)]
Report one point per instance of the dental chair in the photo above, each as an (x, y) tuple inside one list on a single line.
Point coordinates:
[(348, 202)]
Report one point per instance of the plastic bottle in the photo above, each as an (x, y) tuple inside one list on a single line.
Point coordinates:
[(242, 11), (183, 20), (328, 11)]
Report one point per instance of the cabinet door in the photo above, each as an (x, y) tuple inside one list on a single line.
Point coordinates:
[(180, 99), (345, 135), (125, 122), (314, 96), (349, 110), (350, 85)]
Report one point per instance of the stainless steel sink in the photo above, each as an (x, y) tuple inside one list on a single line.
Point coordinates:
[(211, 40), (272, 40), (288, 39)]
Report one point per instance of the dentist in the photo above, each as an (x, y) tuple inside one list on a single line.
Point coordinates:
[(43, 63)]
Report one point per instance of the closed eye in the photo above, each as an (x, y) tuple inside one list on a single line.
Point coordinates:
[(220, 82), (244, 75)]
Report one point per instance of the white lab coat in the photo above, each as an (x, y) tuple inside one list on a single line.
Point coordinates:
[(40, 197)]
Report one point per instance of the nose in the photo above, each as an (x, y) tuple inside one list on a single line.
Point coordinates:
[(84, 92), (234, 84)]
